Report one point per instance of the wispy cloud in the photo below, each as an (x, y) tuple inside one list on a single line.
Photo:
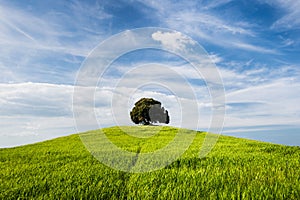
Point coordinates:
[(255, 48), (216, 3), (291, 16), (29, 40), (18, 30), (265, 100), (46, 32), (207, 22), (206, 25)]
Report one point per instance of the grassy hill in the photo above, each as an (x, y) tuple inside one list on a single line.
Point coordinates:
[(235, 169)]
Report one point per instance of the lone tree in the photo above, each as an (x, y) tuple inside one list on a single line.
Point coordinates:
[(147, 111)]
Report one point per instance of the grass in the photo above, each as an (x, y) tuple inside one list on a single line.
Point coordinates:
[(235, 169)]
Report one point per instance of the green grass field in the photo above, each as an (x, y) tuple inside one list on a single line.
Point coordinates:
[(235, 169)]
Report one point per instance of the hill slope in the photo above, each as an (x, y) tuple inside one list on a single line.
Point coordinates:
[(235, 169)]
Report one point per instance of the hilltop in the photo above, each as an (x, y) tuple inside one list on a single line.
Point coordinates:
[(236, 168)]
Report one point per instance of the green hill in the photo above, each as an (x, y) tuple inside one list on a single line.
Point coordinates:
[(235, 169)]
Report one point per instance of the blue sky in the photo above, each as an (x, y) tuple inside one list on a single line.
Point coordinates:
[(254, 44)]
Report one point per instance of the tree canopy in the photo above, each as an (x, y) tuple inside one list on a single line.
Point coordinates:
[(148, 111)]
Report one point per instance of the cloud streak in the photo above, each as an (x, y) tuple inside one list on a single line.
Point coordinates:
[(291, 16)]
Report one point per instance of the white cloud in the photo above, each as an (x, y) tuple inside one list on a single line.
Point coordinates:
[(172, 40), (215, 58), (31, 112), (35, 99), (33, 109)]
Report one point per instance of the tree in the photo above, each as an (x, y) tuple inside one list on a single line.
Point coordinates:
[(147, 111)]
